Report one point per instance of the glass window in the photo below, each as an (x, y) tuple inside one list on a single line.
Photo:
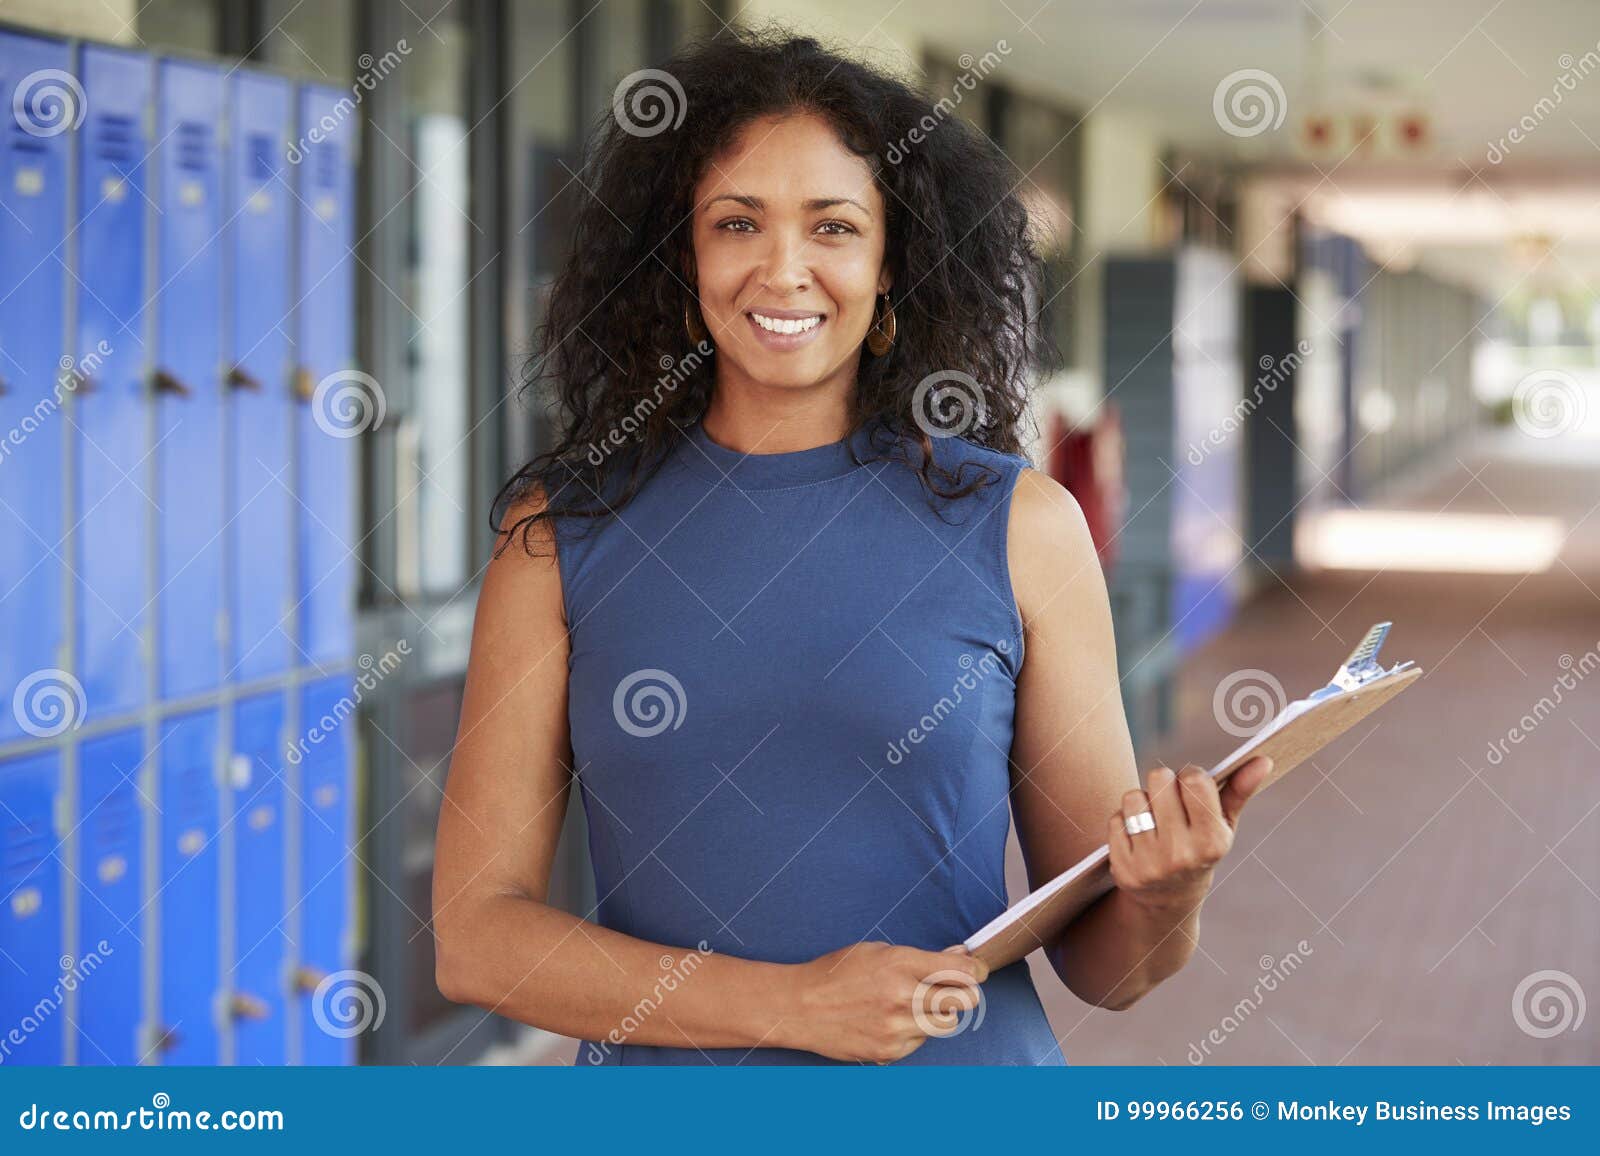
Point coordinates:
[(619, 38), (427, 736), (180, 25), (425, 142), (312, 39), (542, 143)]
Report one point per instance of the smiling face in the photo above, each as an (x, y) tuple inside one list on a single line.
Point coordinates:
[(789, 234)]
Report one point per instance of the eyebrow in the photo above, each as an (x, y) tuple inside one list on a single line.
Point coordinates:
[(811, 205)]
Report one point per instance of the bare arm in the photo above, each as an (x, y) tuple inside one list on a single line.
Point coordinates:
[(1074, 775), (501, 946)]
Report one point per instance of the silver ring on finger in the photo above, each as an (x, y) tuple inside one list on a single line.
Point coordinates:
[(1139, 823)]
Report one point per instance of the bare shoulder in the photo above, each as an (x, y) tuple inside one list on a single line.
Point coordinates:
[(1049, 547), (523, 578)]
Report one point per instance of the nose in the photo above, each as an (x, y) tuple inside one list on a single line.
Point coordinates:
[(786, 271)]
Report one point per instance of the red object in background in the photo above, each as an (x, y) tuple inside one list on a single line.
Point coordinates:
[(1414, 132), (1087, 460)]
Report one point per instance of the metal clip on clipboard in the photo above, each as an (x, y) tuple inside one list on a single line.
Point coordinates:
[(1362, 666)]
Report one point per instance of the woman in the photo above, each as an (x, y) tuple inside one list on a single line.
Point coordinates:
[(789, 606)]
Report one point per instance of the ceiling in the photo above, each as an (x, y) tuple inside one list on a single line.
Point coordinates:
[(1391, 121), (1472, 68)]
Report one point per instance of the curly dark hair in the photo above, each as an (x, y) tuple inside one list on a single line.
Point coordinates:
[(958, 243)]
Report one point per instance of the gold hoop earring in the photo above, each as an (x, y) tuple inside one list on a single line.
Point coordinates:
[(880, 338), (693, 326)]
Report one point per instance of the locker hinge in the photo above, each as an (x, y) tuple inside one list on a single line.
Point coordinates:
[(63, 820)]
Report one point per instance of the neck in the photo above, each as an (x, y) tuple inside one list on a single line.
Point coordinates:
[(758, 419)]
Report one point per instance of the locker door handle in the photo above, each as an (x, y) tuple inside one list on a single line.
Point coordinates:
[(168, 1040), (4, 388), (240, 378), (165, 382), (245, 1006), (305, 388), (307, 978)]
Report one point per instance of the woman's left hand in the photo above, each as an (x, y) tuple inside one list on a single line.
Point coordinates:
[(1169, 868)]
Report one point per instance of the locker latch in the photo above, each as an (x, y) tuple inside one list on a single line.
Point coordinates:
[(307, 978), (165, 382), (241, 378), (305, 388), (244, 1006), (167, 1040)]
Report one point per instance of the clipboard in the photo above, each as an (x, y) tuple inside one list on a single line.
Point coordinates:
[(1294, 734)]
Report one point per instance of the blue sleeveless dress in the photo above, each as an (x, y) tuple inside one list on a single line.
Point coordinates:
[(791, 691)]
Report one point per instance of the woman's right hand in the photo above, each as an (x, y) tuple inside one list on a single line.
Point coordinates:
[(877, 1002)]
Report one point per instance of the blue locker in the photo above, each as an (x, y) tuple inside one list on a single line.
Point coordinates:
[(326, 869), (31, 997), (326, 481), (113, 511), (187, 378), (110, 881), (261, 934), (187, 889), (39, 102), (260, 502)]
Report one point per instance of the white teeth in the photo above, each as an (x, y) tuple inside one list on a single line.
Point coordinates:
[(779, 325)]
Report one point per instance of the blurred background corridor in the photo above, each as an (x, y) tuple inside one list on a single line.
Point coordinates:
[(1326, 275)]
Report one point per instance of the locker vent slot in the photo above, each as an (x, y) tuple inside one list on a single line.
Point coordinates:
[(24, 141), (263, 157), (116, 139), (194, 146), (192, 805), (327, 165), (116, 821), (25, 850)]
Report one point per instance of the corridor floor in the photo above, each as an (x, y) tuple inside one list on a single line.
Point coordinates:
[(1386, 903)]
